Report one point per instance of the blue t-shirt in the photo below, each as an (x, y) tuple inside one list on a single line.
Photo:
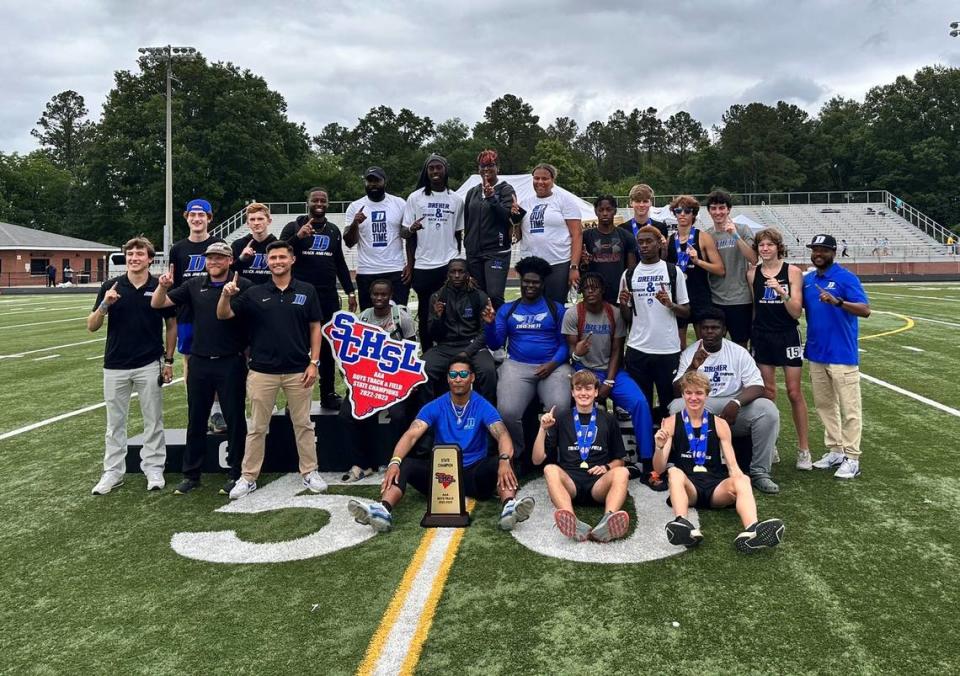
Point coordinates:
[(470, 434), (530, 331), (832, 332)]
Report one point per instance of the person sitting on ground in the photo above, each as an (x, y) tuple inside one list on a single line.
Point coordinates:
[(588, 466), (689, 448), (737, 393), (459, 417), (595, 334)]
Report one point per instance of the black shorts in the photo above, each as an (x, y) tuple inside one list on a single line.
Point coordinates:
[(739, 321), (777, 348), (584, 482), (479, 479), (706, 484)]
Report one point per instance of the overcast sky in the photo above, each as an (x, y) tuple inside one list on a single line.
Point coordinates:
[(334, 60)]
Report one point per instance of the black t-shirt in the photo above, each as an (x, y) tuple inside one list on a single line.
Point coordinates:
[(320, 258), (212, 337), (629, 226), (134, 329), (561, 442), (279, 325), (255, 269), (608, 256), (189, 260), (681, 456)]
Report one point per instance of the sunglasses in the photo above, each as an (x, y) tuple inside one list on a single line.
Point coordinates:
[(682, 210), (453, 375)]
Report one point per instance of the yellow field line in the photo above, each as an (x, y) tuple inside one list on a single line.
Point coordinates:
[(909, 325), (396, 604), (430, 607)]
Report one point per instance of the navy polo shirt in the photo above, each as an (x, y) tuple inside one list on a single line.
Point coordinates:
[(279, 325), (832, 332), (134, 329), (212, 337)]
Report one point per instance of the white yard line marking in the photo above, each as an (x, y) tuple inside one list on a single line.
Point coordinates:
[(52, 321), (895, 295), (43, 309), (912, 349), (64, 416), (47, 349), (49, 356), (96, 356), (912, 395), (935, 321)]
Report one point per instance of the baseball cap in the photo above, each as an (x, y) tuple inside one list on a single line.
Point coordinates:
[(377, 172), (199, 205), (828, 241), (219, 248)]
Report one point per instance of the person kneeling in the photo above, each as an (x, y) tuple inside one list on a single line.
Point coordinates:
[(589, 465), (457, 417), (689, 446)]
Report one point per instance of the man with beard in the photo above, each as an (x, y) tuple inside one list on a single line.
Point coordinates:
[(433, 229), (373, 226), (834, 299), (318, 247), (250, 251)]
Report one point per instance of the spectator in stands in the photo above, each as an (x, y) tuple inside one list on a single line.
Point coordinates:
[(456, 327), (67, 273), (433, 229), (608, 250), (460, 417), (250, 251), (595, 333), (51, 275), (131, 362), (283, 318), (531, 327), (489, 212), (652, 297), (736, 393), (692, 447), (834, 299), (319, 261), (586, 464), (373, 226), (695, 252), (843, 251), (360, 435), (641, 199), (951, 245), (775, 342), (731, 293), (552, 230)]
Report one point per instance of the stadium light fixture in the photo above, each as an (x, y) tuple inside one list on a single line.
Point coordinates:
[(166, 56)]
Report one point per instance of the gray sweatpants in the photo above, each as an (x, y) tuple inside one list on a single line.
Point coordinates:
[(516, 386), (118, 386)]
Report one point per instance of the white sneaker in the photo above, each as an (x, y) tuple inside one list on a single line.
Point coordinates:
[(314, 483), (155, 481), (831, 459), (107, 483), (803, 460), (849, 469), (242, 488), (776, 455)]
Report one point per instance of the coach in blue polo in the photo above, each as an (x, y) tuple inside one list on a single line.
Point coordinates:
[(834, 300)]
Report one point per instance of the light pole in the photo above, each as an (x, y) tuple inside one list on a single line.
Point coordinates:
[(167, 55)]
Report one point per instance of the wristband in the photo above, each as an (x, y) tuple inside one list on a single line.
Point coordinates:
[(168, 360), (504, 456), (575, 357), (839, 302), (104, 308), (737, 402), (609, 382), (395, 460)]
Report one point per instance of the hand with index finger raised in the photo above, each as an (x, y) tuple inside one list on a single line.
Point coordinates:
[(111, 296)]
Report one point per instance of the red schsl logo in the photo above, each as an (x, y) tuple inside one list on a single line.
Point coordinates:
[(444, 479)]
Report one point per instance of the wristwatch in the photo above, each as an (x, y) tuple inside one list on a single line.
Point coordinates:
[(316, 362), (504, 456)]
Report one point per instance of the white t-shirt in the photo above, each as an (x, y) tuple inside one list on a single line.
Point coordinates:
[(654, 327), (730, 369), (443, 216), (545, 232), (380, 249)]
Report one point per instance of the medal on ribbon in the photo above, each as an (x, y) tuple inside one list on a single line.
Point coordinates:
[(585, 437), (683, 258), (698, 443)]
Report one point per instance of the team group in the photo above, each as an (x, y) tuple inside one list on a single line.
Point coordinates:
[(247, 317)]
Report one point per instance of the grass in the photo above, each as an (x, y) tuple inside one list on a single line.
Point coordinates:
[(864, 582)]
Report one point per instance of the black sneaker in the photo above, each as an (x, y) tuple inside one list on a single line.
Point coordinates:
[(227, 487), (332, 401), (682, 533), (759, 536), (186, 486)]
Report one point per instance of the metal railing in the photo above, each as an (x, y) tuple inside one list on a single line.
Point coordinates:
[(916, 218), (276, 209)]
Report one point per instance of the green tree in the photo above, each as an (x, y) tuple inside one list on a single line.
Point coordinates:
[(62, 129), (36, 193), (510, 127), (683, 136), (570, 168), (563, 129)]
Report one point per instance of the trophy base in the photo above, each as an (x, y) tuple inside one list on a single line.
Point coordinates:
[(445, 521)]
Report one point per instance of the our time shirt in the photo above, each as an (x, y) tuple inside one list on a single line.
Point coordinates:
[(654, 327), (730, 369), (380, 248), (134, 329), (470, 434), (832, 332), (442, 214), (544, 225)]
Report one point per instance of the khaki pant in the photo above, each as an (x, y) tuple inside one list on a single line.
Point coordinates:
[(262, 389), (836, 396)]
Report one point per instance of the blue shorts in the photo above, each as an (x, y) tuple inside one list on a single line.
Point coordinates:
[(184, 338)]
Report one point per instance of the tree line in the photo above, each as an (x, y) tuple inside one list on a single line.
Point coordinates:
[(232, 141)]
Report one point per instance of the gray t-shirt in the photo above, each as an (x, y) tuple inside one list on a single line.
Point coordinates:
[(732, 288), (399, 324), (597, 357)]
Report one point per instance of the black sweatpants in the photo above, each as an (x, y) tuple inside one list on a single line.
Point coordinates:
[(361, 436), (426, 283), (479, 479), (329, 303), (653, 370), (225, 377), (490, 271)]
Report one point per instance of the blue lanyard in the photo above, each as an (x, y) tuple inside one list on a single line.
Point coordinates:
[(636, 228), (683, 258), (585, 437), (698, 445)]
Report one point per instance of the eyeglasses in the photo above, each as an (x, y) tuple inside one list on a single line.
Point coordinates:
[(682, 210), (453, 375)]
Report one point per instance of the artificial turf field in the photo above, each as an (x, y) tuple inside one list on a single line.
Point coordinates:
[(865, 581)]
